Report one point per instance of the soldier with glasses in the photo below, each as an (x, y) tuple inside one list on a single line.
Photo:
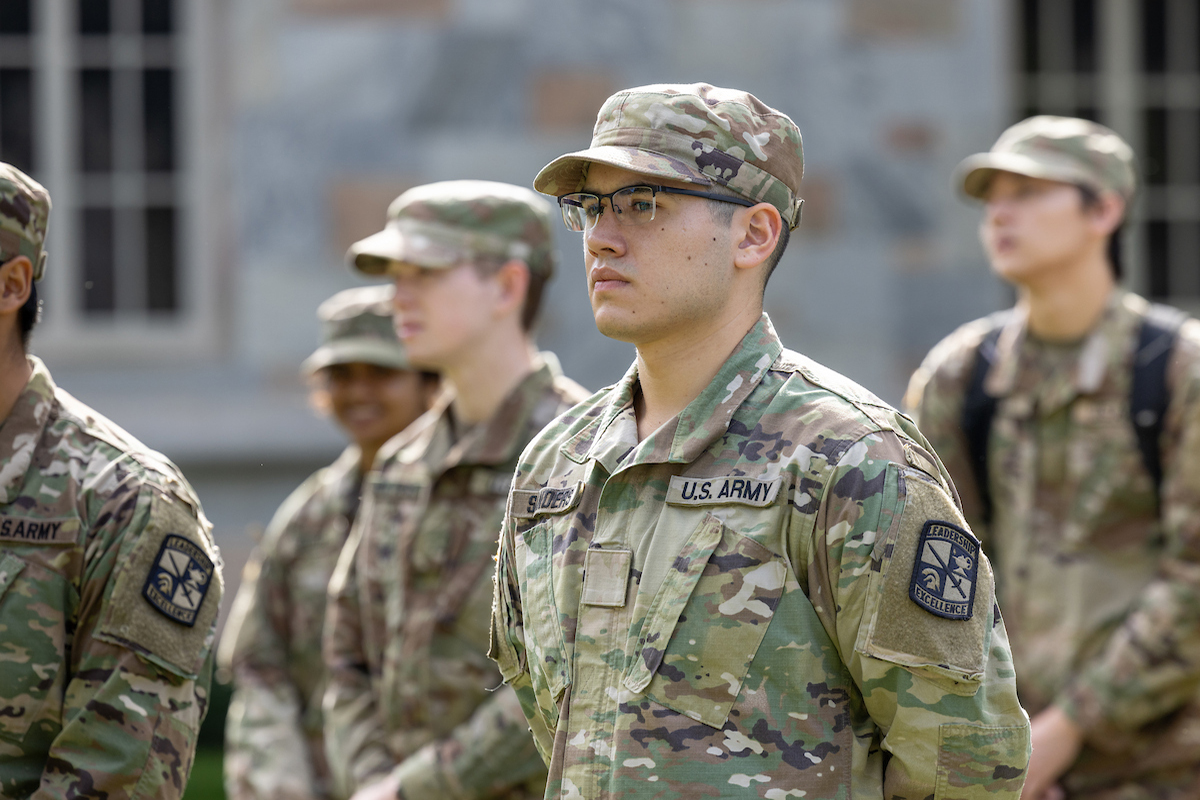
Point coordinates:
[(735, 571)]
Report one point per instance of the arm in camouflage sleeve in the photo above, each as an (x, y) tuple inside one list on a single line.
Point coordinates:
[(139, 681), (355, 735), (266, 749), (486, 754), (941, 692), (508, 640), (1151, 664)]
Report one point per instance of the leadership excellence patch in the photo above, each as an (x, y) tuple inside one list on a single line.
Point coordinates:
[(179, 579), (946, 570)]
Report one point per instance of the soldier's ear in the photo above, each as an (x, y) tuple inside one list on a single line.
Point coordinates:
[(512, 280), (756, 231), (16, 282)]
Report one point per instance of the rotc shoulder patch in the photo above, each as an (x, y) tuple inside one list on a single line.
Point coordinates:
[(945, 571), (178, 579)]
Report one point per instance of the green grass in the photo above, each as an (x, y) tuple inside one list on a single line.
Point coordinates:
[(206, 782)]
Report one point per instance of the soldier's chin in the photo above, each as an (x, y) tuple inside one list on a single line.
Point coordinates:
[(621, 330)]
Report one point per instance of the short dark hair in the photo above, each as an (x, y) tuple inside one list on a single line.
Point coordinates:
[(1090, 198), (488, 265), (723, 213)]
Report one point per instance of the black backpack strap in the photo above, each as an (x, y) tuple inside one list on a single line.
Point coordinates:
[(978, 410), (1148, 394)]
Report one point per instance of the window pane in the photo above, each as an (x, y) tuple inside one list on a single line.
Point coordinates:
[(160, 259), (99, 289), (156, 16), (1185, 259), (95, 119), (1083, 18), (14, 16), (158, 119), (1027, 26), (1154, 35), (16, 118), (1154, 160), (1157, 268), (94, 16)]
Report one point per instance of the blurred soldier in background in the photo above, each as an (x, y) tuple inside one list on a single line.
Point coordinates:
[(109, 578), (274, 742), (1071, 425), (735, 571), (411, 709)]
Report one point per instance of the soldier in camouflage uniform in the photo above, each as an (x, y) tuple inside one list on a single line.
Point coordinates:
[(109, 578), (411, 708), (274, 737), (1098, 570), (735, 573)]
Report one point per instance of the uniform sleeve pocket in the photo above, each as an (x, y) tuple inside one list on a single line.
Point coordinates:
[(945, 641), (166, 595), (706, 623), (980, 762)]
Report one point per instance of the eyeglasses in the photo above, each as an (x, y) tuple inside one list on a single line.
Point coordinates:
[(632, 205)]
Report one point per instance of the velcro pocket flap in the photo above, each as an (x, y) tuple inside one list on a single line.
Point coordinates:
[(663, 614), (167, 593)]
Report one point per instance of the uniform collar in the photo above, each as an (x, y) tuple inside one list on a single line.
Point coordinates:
[(499, 439), (612, 436), (1104, 349), (21, 432)]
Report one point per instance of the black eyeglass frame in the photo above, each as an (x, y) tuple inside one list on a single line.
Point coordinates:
[(563, 202)]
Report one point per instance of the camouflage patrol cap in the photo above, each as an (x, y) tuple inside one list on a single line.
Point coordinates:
[(356, 327), (694, 133), (24, 214), (1064, 149), (444, 224)]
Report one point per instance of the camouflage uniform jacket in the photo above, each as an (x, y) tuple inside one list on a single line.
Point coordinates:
[(1100, 586), (407, 631), (722, 609), (274, 735), (109, 588)]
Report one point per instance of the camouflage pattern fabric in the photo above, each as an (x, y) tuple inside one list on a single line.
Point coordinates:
[(444, 224), (274, 734), (24, 215), (1100, 587), (724, 608), (109, 588), (696, 133), (407, 628), (1065, 149)]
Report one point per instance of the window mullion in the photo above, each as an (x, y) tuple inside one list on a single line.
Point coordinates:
[(55, 122)]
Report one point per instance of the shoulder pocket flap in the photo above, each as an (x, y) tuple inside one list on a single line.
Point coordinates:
[(933, 609), (167, 593)]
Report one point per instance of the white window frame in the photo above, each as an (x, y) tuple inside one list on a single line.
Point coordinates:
[(66, 334)]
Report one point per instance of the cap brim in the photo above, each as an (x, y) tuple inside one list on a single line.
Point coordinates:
[(380, 252), (566, 173), (974, 174), (356, 351)]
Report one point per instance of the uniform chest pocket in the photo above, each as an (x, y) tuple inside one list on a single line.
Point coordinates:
[(706, 623), (34, 604), (547, 655)]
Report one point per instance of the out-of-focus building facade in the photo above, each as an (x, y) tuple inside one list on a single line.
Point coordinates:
[(210, 160)]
